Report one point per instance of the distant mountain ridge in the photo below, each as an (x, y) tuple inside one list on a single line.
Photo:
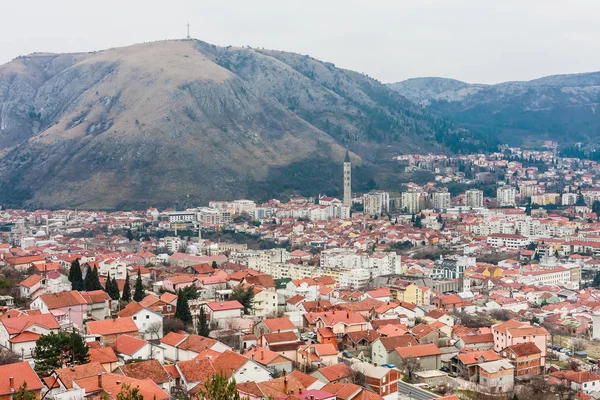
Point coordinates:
[(557, 107), (181, 122)]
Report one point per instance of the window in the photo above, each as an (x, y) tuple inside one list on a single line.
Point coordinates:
[(147, 317), (168, 308), (134, 317)]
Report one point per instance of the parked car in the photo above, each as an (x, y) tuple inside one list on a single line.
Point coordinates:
[(564, 350), (346, 354)]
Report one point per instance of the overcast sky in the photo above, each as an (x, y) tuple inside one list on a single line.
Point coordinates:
[(484, 41)]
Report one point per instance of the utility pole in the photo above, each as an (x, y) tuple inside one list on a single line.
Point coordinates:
[(188, 30)]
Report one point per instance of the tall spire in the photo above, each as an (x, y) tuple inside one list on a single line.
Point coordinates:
[(347, 180)]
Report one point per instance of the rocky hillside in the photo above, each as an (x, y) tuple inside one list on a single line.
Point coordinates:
[(181, 122), (559, 107)]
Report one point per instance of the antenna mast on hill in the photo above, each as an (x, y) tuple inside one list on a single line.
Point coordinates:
[(188, 30)]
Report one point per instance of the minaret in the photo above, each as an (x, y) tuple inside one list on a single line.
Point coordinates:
[(347, 180)]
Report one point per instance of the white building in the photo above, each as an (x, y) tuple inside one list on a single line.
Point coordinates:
[(569, 199), (376, 203), (474, 198), (411, 201), (441, 200), (505, 195)]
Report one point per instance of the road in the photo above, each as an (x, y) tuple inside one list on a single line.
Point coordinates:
[(414, 392)]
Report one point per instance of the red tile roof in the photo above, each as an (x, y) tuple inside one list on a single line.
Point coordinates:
[(112, 326), (20, 372)]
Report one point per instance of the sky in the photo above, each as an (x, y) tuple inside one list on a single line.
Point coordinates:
[(477, 41)]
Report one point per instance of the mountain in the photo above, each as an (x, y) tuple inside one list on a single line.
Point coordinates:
[(558, 107), (181, 122)]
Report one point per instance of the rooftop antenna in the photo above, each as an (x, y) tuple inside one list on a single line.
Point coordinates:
[(188, 30)]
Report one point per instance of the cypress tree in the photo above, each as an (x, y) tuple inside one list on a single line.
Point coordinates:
[(96, 276), (203, 328), (139, 294), (116, 289), (77, 277), (182, 311), (74, 263), (127, 288), (88, 282)]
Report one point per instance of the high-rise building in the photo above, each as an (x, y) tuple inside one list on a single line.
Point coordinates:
[(347, 181), (474, 198), (411, 202), (441, 200), (505, 195), (376, 202)]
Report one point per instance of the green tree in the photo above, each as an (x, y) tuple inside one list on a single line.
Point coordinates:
[(126, 288), (214, 265), (129, 235), (218, 387), (23, 394), (418, 224), (245, 297), (191, 292), (203, 328), (128, 393), (580, 200), (88, 281), (97, 285), (139, 294), (76, 276), (74, 263), (116, 293), (92, 280), (182, 308), (54, 350)]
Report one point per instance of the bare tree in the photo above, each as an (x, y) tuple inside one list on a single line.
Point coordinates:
[(410, 365), (578, 344), (8, 357), (154, 330)]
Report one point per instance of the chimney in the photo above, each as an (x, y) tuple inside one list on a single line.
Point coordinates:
[(262, 354), (312, 397), (347, 314), (299, 390), (374, 364), (284, 373), (11, 381), (99, 380)]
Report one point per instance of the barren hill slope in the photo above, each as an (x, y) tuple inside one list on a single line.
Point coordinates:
[(181, 122)]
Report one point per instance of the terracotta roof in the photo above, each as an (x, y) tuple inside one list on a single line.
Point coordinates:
[(21, 372), (392, 342), (149, 369), (103, 355), (63, 299), (126, 344), (422, 350), (472, 339), (225, 305), (197, 343), (95, 296), (473, 357), (19, 324), (31, 281), (112, 383), (197, 370), (25, 337), (172, 338), (525, 349), (69, 374), (228, 362), (336, 372), (277, 324), (112, 326)]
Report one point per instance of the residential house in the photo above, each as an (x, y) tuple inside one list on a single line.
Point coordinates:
[(271, 360), (133, 348), (317, 355), (109, 330), (184, 347), (379, 380), (150, 369), (148, 321), (334, 373), (383, 350), (67, 307), (526, 357), (495, 376), (429, 355), (514, 332), (13, 376), (19, 333)]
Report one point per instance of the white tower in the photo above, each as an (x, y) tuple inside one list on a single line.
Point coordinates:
[(347, 181)]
